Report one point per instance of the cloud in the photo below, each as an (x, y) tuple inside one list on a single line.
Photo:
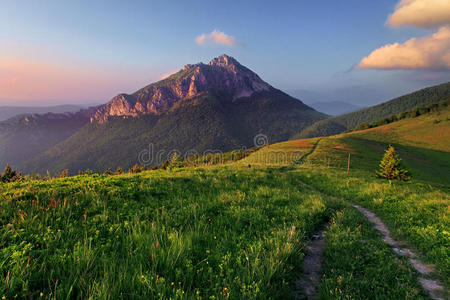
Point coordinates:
[(429, 52), (215, 37), (421, 13)]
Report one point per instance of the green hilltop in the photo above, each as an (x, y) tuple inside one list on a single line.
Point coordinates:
[(339, 124)]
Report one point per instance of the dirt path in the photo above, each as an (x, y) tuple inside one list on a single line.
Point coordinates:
[(312, 267), (434, 287)]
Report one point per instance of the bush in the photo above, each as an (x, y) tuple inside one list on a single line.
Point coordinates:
[(390, 166), (9, 175)]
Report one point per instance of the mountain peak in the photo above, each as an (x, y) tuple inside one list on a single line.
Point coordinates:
[(224, 61), (223, 75)]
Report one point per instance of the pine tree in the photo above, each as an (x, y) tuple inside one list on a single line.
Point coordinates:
[(176, 161), (390, 166)]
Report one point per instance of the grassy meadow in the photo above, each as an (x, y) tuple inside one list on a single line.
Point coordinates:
[(219, 232), (231, 231)]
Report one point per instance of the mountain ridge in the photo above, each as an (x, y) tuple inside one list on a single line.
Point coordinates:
[(339, 124), (223, 74), (219, 106)]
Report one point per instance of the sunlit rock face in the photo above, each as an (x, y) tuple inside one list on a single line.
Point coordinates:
[(222, 75)]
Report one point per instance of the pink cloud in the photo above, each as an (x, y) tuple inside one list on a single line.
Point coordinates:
[(215, 37), (429, 52), (421, 13)]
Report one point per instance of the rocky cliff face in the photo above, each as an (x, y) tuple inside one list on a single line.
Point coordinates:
[(223, 74)]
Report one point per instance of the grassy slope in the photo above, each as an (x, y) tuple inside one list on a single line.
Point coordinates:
[(227, 231), (224, 231), (416, 211), (339, 124)]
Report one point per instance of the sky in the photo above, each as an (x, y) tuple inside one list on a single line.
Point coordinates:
[(359, 51)]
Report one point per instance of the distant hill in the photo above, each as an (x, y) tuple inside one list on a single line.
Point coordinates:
[(334, 108), (218, 106), (26, 136), (7, 112), (339, 124)]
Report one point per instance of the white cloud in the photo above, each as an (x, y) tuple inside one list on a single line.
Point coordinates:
[(429, 52), (215, 37), (421, 13)]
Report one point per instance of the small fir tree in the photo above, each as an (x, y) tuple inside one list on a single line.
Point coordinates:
[(390, 166), (175, 161)]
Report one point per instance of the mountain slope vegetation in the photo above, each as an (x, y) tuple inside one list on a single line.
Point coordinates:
[(207, 123), (24, 137), (219, 106), (233, 231), (339, 124)]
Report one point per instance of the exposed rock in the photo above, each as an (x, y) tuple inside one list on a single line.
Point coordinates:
[(222, 75)]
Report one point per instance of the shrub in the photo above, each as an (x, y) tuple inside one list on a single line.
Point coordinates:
[(9, 175), (390, 166), (118, 171), (64, 173)]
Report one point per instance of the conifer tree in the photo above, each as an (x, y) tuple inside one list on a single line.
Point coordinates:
[(176, 161), (390, 167)]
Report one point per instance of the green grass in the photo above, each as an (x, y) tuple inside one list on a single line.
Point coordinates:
[(415, 212), (286, 153), (360, 266), (215, 232), (233, 232)]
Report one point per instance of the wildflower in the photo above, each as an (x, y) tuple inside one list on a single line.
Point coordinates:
[(215, 237), (142, 276), (172, 283), (41, 294), (198, 292), (3, 298)]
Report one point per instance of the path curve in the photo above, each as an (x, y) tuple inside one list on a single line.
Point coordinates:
[(434, 287)]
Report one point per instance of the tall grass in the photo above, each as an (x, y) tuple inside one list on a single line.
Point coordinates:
[(219, 232)]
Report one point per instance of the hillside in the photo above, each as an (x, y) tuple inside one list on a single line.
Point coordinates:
[(334, 108), (233, 231), (24, 137), (218, 106), (423, 143), (202, 124), (339, 124)]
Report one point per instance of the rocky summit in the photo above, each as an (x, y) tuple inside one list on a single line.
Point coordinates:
[(224, 75)]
